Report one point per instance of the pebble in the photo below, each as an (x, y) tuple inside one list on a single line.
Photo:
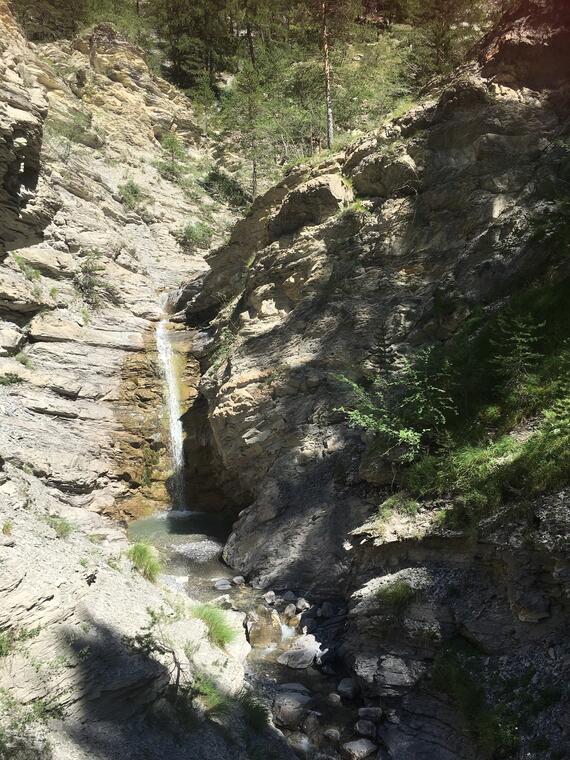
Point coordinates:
[(239, 580), (334, 699)]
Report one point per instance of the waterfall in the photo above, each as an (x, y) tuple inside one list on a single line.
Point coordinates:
[(172, 397)]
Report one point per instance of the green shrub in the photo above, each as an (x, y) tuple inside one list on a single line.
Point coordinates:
[(173, 166), (407, 408), (29, 272), (196, 235), (220, 632), (397, 595), (131, 194), (6, 643), (225, 188), (7, 528), (255, 712), (213, 698), (144, 558), (10, 378), (62, 527), (91, 282)]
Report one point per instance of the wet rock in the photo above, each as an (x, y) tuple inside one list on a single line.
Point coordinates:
[(311, 725), (365, 728), (289, 708), (263, 627), (358, 749), (334, 699), (289, 612), (222, 584), (370, 713), (347, 688), (269, 597), (301, 745), (289, 596), (304, 652), (302, 605), (332, 735)]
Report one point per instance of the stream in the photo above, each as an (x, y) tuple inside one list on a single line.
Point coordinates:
[(190, 544)]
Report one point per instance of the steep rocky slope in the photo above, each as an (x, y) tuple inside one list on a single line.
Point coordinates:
[(83, 275), (387, 248)]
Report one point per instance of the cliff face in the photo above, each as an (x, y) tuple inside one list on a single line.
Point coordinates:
[(82, 270), (388, 248)]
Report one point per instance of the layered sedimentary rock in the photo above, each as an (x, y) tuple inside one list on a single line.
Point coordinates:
[(448, 199)]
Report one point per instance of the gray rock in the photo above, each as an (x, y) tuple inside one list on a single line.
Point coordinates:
[(269, 597), (222, 584), (334, 699), (365, 728), (358, 749), (370, 713), (289, 596), (332, 735), (347, 688), (239, 580), (289, 708), (326, 610), (302, 605), (289, 612)]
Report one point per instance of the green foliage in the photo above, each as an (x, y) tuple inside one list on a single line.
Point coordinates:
[(495, 734), (7, 528), (213, 698), (406, 409), (196, 235), (224, 345), (6, 643), (396, 595), (220, 632), (24, 359), (173, 166), (91, 283), (400, 502), (63, 528), (255, 712), (144, 558), (224, 188), (131, 194), (29, 272), (10, 378)]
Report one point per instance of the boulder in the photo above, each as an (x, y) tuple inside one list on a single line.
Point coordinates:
[(381, 175), (11, 338), (332, 735), (263, 627), (222, 584), (304, 652), (289, 708), (310, 203), (269, 597), (302, 605), (358, 749)]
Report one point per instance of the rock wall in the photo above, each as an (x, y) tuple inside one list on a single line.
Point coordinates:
[(82, 274), (389, 247)]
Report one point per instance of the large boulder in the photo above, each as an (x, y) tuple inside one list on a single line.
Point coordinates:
[(310, 203), (385, 175)]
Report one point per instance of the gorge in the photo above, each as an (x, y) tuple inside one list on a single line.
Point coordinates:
[(299, 490)]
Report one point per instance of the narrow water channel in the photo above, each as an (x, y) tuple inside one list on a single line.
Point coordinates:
[(191, 544)]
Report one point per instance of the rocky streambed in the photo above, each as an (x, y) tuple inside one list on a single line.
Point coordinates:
[(290, 668)]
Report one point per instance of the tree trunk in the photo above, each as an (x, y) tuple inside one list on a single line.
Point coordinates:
[(327, 72), (250, 44), (254, 178)]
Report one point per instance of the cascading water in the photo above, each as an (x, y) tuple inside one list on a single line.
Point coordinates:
[(172, 397)]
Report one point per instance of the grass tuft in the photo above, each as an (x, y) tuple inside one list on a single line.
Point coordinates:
[(396, 595), (220, 632), (144, 558), (62, 527)]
